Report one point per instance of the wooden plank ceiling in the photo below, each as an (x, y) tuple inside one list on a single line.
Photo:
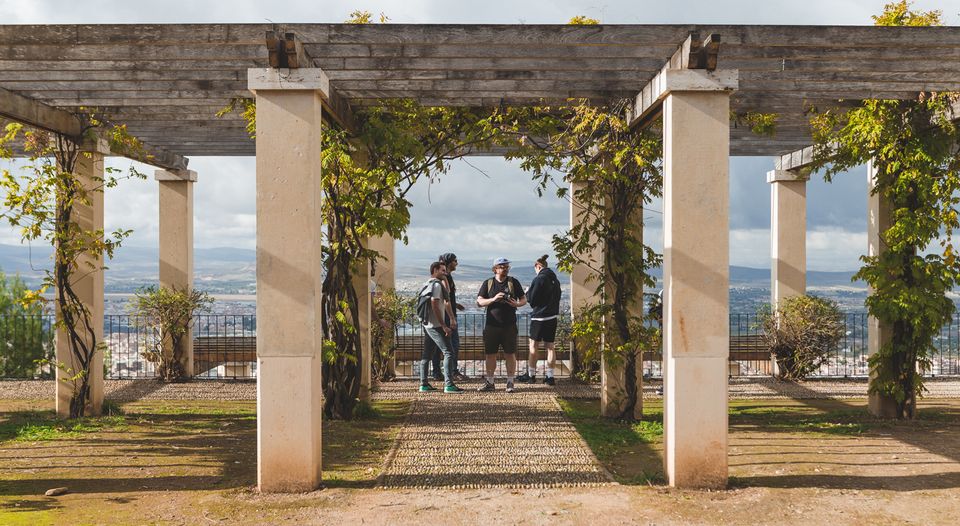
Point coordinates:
[(167, 81)]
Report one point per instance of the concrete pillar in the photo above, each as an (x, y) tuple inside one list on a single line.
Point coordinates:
[(696, 144), (788, 237), (613, 379), (361, 283), (878, 334), (385, 275), (289, 230), (87, 284), (176, 242), (788, 234), (583, 278)]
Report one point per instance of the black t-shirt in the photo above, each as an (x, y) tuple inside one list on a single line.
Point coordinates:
[(500, 313), (453, 293)]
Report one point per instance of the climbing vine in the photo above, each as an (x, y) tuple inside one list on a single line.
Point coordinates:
[(913, 148), (45, 205), (615, 171)]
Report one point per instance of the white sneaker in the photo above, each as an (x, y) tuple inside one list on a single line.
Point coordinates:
[(509, 387)]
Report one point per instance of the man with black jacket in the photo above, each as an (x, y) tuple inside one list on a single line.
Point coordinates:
[(544, 297)]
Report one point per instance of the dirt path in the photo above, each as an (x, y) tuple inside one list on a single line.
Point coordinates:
[(494, 439), (791, 462)]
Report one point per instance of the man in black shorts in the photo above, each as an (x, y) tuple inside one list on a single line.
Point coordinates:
[(544, 297), (501, 295)]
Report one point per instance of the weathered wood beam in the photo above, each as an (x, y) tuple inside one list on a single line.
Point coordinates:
[(38, 115), (28, 111)]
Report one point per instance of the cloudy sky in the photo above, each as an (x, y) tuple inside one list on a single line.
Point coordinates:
[(486, 207)]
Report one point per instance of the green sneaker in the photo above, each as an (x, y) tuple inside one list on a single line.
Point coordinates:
[(452, 389), (426, 388)]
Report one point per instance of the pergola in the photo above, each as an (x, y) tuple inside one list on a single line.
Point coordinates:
[(166, 83)]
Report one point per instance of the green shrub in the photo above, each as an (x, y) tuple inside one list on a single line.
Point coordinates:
[(24, 341), (801, 332)]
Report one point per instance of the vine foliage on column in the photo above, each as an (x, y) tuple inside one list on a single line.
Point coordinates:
[(42, 201), (619, 171), (401, 143), (913, 147)]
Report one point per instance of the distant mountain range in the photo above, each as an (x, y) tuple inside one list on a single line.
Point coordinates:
[(233, 270)]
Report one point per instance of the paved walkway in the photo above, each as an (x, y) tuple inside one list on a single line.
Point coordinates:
[(498, 439), (740, 388)]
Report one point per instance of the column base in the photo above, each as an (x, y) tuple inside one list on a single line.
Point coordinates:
[(695, 422), (289, 408), (613, 392), (882, 406)]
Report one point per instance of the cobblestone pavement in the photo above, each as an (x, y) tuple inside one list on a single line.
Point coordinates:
[(740, 388), (491, 439)]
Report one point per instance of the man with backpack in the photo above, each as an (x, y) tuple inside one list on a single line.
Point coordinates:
[(544, 297), (430, 307), (501, 295)]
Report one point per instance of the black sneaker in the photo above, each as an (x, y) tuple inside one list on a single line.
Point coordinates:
[(509, 387), (487, 386), (527, 378), (549, 381)]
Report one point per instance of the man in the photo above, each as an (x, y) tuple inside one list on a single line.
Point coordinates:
[(544, 297), (435, 326), (501, 295), (450, 260)]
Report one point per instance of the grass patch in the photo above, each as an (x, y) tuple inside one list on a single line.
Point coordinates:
[(29, 426), (801, 418), (354, 451), (629, 450)]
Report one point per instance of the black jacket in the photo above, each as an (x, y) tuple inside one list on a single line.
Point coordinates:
[(544, 294)]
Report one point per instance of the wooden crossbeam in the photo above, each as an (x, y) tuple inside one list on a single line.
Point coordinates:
[(28, 111), (38, 115)]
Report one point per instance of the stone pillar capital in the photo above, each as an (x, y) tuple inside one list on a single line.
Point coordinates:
[(282, 79), (95, 144), (780, 176), (185, 176)]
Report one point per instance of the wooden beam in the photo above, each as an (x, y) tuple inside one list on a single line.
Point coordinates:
[(30, 112), (38, 115)]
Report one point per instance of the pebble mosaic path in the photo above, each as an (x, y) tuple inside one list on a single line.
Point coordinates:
[(492, 439)]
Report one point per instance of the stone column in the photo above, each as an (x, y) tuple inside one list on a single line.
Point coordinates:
[(289, 230), (696, 144), (788, 237), (87, 284), (878, 334), (788, 233), (583, 278), (176, 242), (385, 275), (361, 283), (613, 379)]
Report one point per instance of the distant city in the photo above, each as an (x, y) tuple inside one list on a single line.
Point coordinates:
[(230, 275)]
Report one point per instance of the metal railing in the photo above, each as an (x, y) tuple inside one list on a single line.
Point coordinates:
[(225, 347)]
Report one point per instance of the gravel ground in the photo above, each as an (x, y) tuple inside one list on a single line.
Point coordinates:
[(476, 440), (740, 388)]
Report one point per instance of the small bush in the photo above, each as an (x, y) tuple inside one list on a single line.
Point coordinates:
[(391, 309), (801, 332)]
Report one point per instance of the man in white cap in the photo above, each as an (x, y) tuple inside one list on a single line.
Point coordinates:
[(501, 295)]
